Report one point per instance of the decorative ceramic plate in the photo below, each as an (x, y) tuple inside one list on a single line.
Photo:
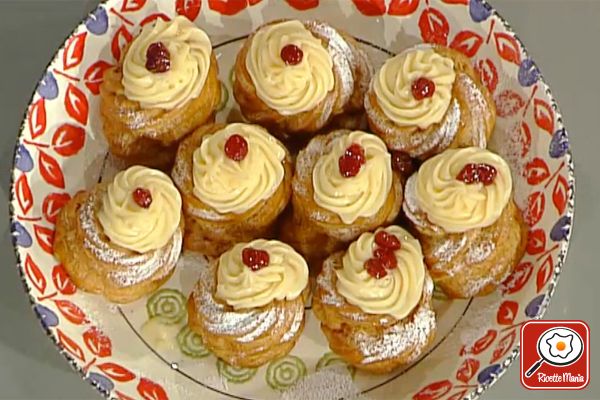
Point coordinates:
[(143, 350)]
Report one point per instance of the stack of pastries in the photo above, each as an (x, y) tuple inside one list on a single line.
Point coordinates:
[(402, 144)]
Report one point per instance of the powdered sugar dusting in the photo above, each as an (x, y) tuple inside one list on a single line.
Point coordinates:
[(246, 325), (324, 281), (327, 111), (412, 210), (508, 141), (412, 333), (450, 126), (218, 320), (478, 108), (342, 56), (447, 251), (289, 335), (480, 252), (474, 286)]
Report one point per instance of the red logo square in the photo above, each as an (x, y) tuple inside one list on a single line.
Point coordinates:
[(555, 355)]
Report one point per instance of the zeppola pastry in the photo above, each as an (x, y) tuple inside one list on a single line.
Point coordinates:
[(374, 301), (248, 305), (473, 235), (164, 87), (343, 186), (122, 239), (235, 180), (294, 77), (427, 99)]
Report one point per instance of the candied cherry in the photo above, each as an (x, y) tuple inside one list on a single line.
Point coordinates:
[(375, 268), (255, 259), (477, 173), (386, 256), (402, 163), (142, 197), (387, 240), (291, 54), (236, 147), (423, 88), (352, 160), (158, 58)]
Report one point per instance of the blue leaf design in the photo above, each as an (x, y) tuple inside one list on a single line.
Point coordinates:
[(48, 88), (479, 10), (533, 308), (487, 374), (560, 230), (101, 381), (46, 315), (20, 235), (529, 73), (97, 23), (23, 160), (559, 145)]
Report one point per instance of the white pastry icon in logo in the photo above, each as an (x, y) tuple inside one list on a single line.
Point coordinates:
[(560, 346)]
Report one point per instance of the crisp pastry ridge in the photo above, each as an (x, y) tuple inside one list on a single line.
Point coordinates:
[(470, 113), (248, 336)]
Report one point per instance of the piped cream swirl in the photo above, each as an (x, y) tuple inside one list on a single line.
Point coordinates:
[(190, 53), (284, 278), (289, 89), (393, 87), (236, 186), (359, 196), (454, 205), (135, 228), (396, 294)]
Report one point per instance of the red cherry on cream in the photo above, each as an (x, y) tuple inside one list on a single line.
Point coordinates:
[(353, 159), (142, 197), (255, 259), (477, 173), (387, 240), (158, 58), (291, 54), (386, 257), (423, 88), (375, 268), (236, 147)]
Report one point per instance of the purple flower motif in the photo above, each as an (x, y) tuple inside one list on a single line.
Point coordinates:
[(101, 381), (559, 145), (479, 10), (529, 73), (488, 374), (46, 315), (560, 230), (20, 235), (533, 308), (23, 160), (97, 22), (48, 88)]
